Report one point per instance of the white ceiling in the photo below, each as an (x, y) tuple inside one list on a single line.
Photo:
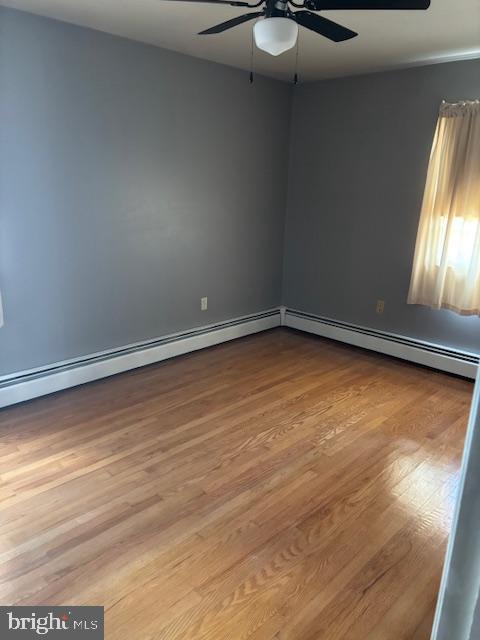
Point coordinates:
[(450, 29)]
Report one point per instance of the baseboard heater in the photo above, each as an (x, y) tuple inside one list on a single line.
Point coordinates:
[(30, 384), (461, 363)]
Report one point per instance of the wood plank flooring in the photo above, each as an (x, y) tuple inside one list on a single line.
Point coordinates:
[(276, 487)]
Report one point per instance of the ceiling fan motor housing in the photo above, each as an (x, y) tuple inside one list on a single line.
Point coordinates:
[(280, 7)]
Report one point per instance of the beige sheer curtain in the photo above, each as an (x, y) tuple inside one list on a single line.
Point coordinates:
[(446, 267)]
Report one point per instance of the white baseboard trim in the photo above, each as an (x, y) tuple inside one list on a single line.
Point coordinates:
[(30, 384), (431, 355), (33, 383)]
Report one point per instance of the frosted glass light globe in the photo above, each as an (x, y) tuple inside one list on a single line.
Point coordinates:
[(275, 35)]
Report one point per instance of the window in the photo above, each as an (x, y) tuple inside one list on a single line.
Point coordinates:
[(456, 249), (446, 266)]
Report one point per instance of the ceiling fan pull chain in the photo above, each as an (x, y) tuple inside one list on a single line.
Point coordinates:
[(251, 60), (295, 76)]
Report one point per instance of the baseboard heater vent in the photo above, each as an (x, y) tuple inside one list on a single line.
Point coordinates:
[(29, 384), (431, 355)]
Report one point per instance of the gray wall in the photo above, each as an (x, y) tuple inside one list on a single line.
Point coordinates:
[(359, 154), (133, 181)]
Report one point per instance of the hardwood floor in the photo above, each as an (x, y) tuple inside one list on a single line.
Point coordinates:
[(276, 487)]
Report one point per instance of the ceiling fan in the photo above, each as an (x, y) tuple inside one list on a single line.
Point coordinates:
[(278, 30)]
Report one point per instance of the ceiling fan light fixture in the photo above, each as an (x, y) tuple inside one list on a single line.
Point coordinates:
[(275, 35)]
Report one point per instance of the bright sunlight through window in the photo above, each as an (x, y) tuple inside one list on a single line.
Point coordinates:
[(457, 251)]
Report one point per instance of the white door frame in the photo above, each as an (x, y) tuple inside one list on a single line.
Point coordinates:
[(460, 586)]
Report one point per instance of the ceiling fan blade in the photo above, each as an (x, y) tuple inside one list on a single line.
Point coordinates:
[(324, 27), (223, 26), (231, 3), (370, 4)]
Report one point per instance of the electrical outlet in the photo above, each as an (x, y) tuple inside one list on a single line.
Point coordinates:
[(204, 304), (380, 306)]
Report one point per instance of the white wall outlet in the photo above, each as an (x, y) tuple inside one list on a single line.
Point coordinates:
[(380, 306), (204, 304)]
